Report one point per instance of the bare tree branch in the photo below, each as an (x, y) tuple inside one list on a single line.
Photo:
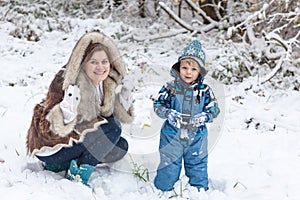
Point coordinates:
[(154, 37), (199, 10), (276, 69), (183, 23)]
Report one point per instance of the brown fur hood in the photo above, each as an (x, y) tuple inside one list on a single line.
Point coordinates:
[(47, 130)]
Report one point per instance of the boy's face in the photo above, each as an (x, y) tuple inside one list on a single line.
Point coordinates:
[(189, 70)]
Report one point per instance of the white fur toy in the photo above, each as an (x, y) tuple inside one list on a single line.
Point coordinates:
[(70, 103)]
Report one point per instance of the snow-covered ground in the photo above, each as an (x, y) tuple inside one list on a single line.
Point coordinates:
[(254, 144)]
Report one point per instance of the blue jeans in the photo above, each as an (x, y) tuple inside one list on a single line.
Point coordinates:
[(104, 145)]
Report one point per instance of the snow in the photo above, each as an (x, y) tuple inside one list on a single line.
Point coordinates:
[(254, 144)]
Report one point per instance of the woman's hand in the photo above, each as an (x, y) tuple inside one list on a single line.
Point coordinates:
[(70, 103), (125, 95)]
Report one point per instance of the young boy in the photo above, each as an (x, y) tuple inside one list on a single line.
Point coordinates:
[(188, 105)]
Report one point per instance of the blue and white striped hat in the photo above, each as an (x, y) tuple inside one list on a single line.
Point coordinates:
[(194, 51)]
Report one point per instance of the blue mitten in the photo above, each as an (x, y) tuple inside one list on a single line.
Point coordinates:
[(174, 118)]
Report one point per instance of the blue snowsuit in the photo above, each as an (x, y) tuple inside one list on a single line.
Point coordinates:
[(188, 100)]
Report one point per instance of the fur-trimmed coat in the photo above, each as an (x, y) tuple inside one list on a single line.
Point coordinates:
[(48, 131)]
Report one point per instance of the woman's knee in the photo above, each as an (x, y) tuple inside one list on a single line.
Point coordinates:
[(118, 152), (113, 127), (122, 144)]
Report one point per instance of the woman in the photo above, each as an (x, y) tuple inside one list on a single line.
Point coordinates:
[(77, 126)]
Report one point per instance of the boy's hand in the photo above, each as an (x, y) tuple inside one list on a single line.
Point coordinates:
[(70, 103), (174, 118), (200, 119)]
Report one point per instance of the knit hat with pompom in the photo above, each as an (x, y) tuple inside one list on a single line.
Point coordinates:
[(194, 51)]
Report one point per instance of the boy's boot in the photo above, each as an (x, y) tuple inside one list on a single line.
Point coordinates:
[(81, 173)]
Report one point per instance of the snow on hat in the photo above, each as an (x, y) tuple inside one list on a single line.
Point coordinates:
[(194, 51)]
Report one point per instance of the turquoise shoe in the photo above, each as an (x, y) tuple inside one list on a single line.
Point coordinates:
[(81, 173)]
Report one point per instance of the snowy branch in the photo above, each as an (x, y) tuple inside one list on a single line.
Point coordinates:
[(153, 37), (175, 17), (199, 10), (274, 71), (259, 14), (183, 23), (276, 37)]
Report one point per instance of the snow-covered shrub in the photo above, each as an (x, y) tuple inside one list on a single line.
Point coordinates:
[(232, 63), (32, 18)]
